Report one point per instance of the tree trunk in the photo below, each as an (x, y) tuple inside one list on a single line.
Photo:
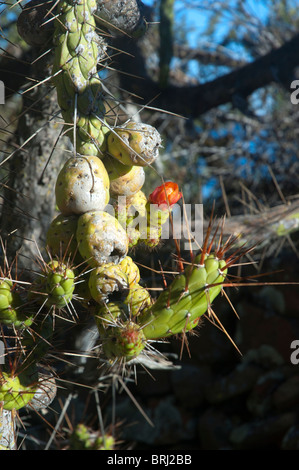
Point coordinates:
[(29, 198)]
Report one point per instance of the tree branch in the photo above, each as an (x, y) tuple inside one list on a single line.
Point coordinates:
[(192, 101)]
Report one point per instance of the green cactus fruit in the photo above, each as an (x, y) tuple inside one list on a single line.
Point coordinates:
[(107, 280), (124, 180), (16, 391), (101, 238), (61, 237), (123, 342), (106, 442), (134, 144), (187, 298), (110, 314), (130, 269), (83, 438), (138, 299), (59, 284), (82, 185), (132, 215), (151, 237), (55, 286), (11, 307)]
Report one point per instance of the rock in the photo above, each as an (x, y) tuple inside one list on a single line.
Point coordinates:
[(286, 396), (239, 381), (260, 400), (258, 327), (265, 356), (214, 428), (263, 433), (291, 439), (169, 425), (197, 378)]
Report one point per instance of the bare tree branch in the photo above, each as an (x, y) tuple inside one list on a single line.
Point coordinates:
[(193, 100)]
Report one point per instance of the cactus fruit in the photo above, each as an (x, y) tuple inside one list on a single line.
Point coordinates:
[(110, 314), (83, 438), (107, 280), (61, 237), (11, 307), (123, 342), (132, 214), (45, 392), (158, 207), (137, 299), (82, 185), (131, 270), (16, 390), (101, 239), (134, 144), (124, 180), (55, 286)]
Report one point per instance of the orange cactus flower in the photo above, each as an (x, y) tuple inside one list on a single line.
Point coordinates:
[(165, 195)]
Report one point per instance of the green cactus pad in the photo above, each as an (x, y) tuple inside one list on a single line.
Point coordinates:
[(187, 298), (83, 438), (110, 314), (55, 286), (75, 74)]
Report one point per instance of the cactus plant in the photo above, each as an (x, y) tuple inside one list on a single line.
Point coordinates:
[(89, 248)]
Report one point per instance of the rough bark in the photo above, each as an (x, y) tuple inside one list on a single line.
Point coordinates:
[(29, 200)]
